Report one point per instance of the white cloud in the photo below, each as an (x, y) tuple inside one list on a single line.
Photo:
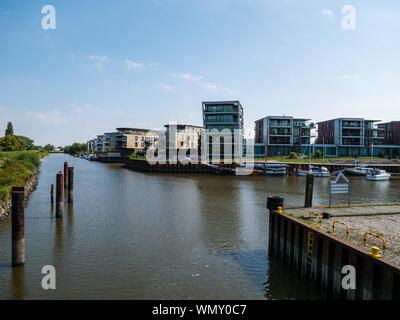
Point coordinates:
[(187, 76), (327, 12), (209, 85), (99, 58), (349, 77), (133, 65), (99, 61), (53, 117), (165, 86)]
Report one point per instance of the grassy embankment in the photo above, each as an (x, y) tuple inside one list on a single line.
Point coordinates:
[(16, 168)]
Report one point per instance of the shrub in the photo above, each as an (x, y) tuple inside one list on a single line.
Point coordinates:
[(293, 155), (318, 154)]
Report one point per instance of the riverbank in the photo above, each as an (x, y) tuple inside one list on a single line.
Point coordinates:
[(18, 168)]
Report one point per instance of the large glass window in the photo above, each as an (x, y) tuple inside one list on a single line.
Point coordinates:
[(221, 108)]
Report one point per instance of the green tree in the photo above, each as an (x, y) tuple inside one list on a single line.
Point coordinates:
[(9, 130), (48, 147), (10, 143), (75, 148), (318, 154), (26, 143)]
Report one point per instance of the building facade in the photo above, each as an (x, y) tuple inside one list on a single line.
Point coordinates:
[(123, 142), (282, 135), (182, 136), (350, 137), (221, 120), (390, 132)]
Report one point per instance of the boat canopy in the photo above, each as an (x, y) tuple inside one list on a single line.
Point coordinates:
[(270, 165)]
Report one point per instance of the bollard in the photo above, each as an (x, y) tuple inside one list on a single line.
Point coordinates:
[(309, 190), (65, 174), (70, 184), (274, 202), (59, 195), (18, 226), (52, 194)]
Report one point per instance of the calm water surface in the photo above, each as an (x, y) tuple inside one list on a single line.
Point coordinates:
[(133, 235)]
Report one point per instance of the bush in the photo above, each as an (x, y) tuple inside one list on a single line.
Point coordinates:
[(318, 154), (293, 155), (16, 168), (10, 143)]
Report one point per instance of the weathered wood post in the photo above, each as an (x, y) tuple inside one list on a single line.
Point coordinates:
[(309, 190), (65, 174), (52, 194), (272, 205), (18, 226), (70, 184), (59, 195)]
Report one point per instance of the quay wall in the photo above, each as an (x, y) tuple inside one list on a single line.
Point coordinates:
[(319, 257), (144, 166), (293, 167)]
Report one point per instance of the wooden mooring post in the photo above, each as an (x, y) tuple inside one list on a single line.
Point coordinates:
[(309, 190), (70, 184), (18, 226), (52, 193), (65, 174), (59, 195)]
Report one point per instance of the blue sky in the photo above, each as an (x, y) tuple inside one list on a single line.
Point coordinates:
[(145, 63)]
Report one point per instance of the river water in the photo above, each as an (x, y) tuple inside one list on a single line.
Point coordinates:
[(132, 235)]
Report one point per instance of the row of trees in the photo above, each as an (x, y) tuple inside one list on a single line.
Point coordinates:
[(75, 148), (11, 142)]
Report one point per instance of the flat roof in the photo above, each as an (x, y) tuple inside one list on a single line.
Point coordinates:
[(182, 125), (394, 121), (355, 119), (132, 129), (283, 117)]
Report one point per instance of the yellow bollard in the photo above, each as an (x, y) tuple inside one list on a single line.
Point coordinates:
[(279, 210), (375, 252)]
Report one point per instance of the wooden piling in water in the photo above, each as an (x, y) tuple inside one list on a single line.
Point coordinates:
[(70, 184), (65, 174), (309, 190), (52, 193), (18, 226), (59, 195)]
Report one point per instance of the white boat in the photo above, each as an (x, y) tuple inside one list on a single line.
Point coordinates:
[(357, 171), (378, 175), (317, 171)]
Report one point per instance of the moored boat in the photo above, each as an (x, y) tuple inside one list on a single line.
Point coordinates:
[(357, 171), (378, 175), (317, 171)]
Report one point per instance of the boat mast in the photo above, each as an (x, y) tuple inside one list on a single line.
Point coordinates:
[(266, 148)]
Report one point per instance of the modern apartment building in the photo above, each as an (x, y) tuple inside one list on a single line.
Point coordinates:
[(98, 147), (282, 135), (390, 132), (219, 116), (351, 136), (123, 142), (185, 136)]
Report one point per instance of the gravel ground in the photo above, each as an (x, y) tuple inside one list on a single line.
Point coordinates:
[(387, 226)]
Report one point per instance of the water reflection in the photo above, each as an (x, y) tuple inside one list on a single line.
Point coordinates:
[(17, 288), (131, 235)]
